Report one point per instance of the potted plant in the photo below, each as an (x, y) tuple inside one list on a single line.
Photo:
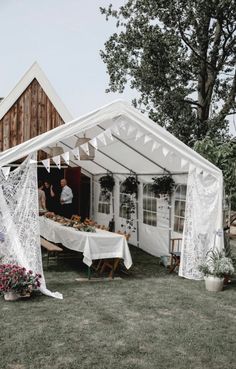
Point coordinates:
[(130, 185), (215, 268), (163, 185), (107, 183), (16, 282)]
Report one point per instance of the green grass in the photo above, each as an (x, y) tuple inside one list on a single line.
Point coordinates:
[(148, 320)]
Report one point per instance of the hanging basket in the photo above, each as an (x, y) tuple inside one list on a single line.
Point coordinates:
[(130, 185), (83, 155), (163, 185), (107, 182)]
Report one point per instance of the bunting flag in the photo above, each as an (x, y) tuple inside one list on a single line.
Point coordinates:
[(66, 157), (155, 146), (57, 161), (138, 135), (101, 137), (46, 164), (183, 162), (130, 130), (5, 171), (165, 151), (94, 142), (32, 161), (85, 148), (204, 174), (147, 139), (108, 134), (192, 167), (115, 129), (75, 151), (122, 124)]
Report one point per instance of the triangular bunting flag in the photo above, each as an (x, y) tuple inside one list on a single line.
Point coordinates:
[(138, 135), (108, 134), (57, 161), (94, 142), (155, 146), (130, 130), (165, 151), (75, 151), (66, 157), (183, 162), (6, 171), (46, 164), (122, 124), (147, 139), (204, 174), (115, 129), (85, 148), (101, 137)]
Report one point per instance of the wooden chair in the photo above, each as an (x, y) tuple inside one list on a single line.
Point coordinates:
[(175, 253), (51, 248)]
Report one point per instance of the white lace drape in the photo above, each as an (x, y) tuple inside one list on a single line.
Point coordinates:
[(19, 221), (203, 222)]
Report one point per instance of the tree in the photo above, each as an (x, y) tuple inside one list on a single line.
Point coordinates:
[(180, 56)]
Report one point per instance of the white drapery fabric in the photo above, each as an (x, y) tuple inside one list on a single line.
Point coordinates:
[(203, 222), (19, 220)]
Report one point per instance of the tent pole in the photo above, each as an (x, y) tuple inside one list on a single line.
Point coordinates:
[(170, 221), (92, 212), (137, 214), (138, 152)]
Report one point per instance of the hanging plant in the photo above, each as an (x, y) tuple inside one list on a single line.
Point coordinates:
[(107, 183), (130, 185), (129, 210), (163, 185)]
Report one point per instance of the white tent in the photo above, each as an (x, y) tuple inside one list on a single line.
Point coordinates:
[(127, 141)]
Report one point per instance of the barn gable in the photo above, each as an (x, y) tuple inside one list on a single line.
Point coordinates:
[(30, 109)]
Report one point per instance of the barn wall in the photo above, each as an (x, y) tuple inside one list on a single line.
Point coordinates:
[(32, 114)]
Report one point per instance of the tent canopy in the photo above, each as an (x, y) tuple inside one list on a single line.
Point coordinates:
[(137, 144)]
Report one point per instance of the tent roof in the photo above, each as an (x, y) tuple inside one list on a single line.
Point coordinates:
[(34, 72), (139, 145)]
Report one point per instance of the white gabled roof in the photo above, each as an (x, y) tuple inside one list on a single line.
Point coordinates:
[(35, 72), (124, 152)]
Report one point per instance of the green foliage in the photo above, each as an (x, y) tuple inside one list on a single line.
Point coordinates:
[(223, 155), (163, 185), (107, 182), (130, 185), (180, 57), (217, 264)]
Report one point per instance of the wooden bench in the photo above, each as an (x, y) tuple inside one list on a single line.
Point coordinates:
[(50, 247)]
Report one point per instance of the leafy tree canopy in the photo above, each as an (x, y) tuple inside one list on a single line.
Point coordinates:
[(180, 56)]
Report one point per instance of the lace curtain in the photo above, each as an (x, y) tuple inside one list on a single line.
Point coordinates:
[(203, 222), (19, 220)]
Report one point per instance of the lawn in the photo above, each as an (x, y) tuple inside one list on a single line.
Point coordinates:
[(148, 320)]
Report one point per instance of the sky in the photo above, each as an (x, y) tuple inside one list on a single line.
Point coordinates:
[(64, 37)]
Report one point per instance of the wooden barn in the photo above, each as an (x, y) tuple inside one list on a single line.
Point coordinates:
[(31, 108)]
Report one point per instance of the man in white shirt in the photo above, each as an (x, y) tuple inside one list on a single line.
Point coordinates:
[(66, 200)]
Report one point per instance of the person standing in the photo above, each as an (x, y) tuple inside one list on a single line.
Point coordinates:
[(66, 200), (50, 196), (41, 196)]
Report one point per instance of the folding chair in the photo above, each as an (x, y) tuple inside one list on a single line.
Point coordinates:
[(175, 252)]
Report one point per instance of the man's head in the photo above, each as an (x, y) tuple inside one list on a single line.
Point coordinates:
[(63, 182)]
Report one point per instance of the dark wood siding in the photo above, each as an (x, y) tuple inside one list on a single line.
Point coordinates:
[(32, 114)]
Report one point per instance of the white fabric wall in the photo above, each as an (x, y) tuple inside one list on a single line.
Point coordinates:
[(203, 221), (19, 220)]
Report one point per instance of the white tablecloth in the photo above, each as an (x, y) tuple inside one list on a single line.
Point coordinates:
[(99, 245)]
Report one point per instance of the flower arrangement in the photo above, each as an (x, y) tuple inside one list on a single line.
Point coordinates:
[(163, 185), (217, 264), (14, 278)]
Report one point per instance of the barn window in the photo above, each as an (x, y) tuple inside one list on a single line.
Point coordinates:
[(179, 210), (149, 206), (104, 202)]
